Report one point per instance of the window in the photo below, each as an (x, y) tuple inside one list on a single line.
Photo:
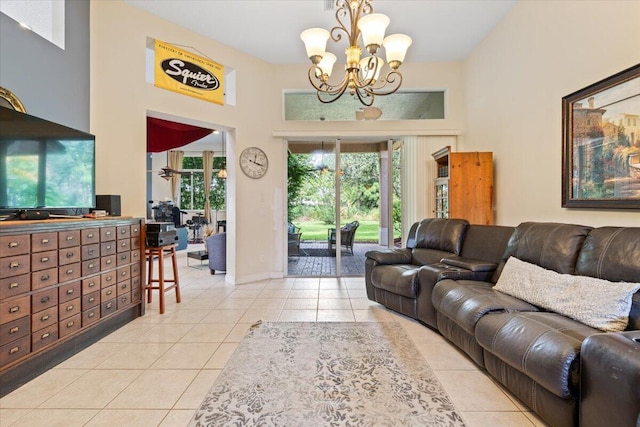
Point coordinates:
[(192, 192)]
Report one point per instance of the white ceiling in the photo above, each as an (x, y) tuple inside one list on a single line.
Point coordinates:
[(442, 30)]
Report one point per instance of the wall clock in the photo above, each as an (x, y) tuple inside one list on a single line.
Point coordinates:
[(254, 162)]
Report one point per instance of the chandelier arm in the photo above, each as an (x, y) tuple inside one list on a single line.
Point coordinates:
[(393, 79), (341, 13), (323, 86), (366, 99)]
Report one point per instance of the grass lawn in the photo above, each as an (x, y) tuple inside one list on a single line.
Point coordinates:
[(317, 230)]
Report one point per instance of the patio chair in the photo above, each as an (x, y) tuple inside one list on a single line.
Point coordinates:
[(294, 236), (347, 235)]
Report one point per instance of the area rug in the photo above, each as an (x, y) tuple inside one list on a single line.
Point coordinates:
[(327, 374)]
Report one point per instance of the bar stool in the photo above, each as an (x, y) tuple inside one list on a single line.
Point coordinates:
[(161, 253)]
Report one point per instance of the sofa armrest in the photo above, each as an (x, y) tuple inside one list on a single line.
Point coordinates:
[(469, 264), (390, 256), (610, 380)]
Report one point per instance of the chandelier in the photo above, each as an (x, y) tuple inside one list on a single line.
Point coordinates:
[(362, 74)]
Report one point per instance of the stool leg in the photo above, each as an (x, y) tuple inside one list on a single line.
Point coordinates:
[(161, 279), (150, 279), (174, 263)]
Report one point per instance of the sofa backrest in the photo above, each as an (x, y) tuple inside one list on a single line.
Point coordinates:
[(613, 253), (486, 242), (550, 245), (441, 234)]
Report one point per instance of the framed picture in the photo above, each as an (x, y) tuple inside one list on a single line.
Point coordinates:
[(601, 144)]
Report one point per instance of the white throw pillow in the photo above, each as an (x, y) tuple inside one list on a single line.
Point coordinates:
[(595, 302)]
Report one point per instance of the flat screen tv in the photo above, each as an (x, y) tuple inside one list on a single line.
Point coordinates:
[(44, 165)]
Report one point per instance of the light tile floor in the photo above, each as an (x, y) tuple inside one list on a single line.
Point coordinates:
[(156, 370)]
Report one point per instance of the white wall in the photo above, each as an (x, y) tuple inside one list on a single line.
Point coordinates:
[(542, 51), (120, 99)]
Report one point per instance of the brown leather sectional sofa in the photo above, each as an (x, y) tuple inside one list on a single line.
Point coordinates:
[(569, 373)]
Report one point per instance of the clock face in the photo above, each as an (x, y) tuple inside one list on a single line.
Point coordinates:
[(254, 162)]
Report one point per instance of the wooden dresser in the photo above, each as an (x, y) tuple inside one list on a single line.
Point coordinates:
[(64, 284)]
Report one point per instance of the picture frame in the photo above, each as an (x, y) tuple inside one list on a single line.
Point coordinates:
[(601, 144)]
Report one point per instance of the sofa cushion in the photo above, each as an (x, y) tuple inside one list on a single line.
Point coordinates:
[(595, 302), (550, 245), (399, 279), (544, 346), (466, 301), (441, 234)]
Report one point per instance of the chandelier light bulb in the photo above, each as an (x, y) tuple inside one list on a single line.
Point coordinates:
[(326, 64), (372, 27), (315, 41), (370, 68), (396, 46)]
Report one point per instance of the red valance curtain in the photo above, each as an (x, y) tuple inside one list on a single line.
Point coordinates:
[(163, 135)]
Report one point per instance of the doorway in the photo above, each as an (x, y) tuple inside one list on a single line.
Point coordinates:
[(344, 200)]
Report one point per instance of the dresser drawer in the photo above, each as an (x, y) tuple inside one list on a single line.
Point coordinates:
[(135, 295), (13, 330), (90, 285), (135, 243), (69, 272), (124, 232), (44, 299), (44, 337), (108, 307), (12, 286), (90, 251), (135, 268), (44, 278), (108, 278), (90, 316), (70, 325), (124, 258), (135, 283), (44, 260), (14, 309), (108, 248), (15, 350), (69, 308), (68, 239), (90, 300), (90, 236), (135, 230), (124, 273), (108, 293), (124, 287), (14, 245), (124, 300), (91, 266), (107, 234), (41, 242), (124, 245), (69, 256), (44, 319), (14, 265), (69, 291), (107, 262)]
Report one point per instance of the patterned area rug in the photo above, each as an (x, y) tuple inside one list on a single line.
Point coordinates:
[(327, 374)]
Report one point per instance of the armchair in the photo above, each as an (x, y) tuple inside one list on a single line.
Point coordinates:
[(217, 249), (347, 235), (294, 236)]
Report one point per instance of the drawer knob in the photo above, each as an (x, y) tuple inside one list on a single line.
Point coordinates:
[(123, 286), (91, 251), (109, 305), (45, 277), (70, 324), (14, 330), (123, 244), (70, 308), (69, 255), (92, 266), (109, 292), (109, 278), (91, 314), (14, 264), (44, 336), (44, 300), (108, 247), (69, 238), (92, 284), (90, 235), (44, 318), (92, 299), (123, 299), (44, 241), (108, 233), (14, 244), (69, 271), (124, 273), (123, 231), (14, 309), (109, 261), (13, 285), (70, 291), (14, 350), (44, 259)]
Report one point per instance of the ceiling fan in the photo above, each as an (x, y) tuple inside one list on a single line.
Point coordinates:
[(168, 172)]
